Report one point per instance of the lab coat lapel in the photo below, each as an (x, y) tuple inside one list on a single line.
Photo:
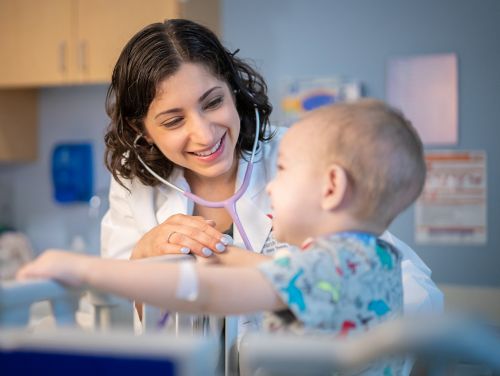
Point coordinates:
[(254, 219), (142, 205), (143, 202), (175, 202)]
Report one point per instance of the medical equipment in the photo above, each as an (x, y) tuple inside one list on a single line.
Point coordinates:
[(26, 342), (230, 203), (71, 351), (444, 344)]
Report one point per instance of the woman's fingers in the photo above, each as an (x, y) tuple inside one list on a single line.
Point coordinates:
[(182, 233), (194, 234), (197, 241)]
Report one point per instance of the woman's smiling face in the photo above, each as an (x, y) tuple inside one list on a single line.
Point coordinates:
[(194, 122)]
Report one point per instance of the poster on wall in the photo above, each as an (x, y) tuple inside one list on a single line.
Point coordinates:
[(425, 88), (305, 94), (452, 207)]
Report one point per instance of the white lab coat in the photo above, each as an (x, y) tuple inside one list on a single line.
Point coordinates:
[(132, 214)]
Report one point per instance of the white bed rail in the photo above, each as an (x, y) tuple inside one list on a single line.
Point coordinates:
[(17, 297), (441, 343)]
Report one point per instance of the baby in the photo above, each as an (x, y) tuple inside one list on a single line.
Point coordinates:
[(345, 171)]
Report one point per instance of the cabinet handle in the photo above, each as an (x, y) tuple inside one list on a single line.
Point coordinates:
[(62, 57), (83, 56)]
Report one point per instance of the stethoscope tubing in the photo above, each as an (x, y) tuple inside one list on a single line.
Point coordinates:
[(228, 204)]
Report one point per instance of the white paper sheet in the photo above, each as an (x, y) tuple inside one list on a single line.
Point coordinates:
[(425, 88), (452, 207)]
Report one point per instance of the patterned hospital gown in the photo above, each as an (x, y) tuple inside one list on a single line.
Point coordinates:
[(342, 283)]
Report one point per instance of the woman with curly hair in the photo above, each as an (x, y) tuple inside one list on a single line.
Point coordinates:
[(186, 106)]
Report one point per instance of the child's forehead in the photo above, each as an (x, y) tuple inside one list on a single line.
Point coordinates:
[(297, 142), (307, 130)]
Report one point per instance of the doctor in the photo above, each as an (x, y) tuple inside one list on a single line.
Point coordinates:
[(185, 105)]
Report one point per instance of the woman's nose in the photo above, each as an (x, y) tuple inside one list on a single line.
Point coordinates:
[(201, 130)]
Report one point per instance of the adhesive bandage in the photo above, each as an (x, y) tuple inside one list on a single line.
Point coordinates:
[(187, 284)]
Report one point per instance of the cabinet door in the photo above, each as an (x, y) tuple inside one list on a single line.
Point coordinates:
[(18, 125), (105, 26), (34, 42)]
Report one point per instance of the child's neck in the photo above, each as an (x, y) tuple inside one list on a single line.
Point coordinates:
[(347, 222)]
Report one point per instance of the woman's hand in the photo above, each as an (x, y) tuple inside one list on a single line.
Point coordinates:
[(66, 267), (182, 234)]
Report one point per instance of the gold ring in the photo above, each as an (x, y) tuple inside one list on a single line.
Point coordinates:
[(168, 238)]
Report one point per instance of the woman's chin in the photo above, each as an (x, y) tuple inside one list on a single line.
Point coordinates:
[(218, 170)]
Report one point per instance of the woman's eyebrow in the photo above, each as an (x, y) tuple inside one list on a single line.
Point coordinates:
[(174, 110), (207, 93)]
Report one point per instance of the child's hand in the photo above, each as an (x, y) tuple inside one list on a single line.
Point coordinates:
[(65, 267)]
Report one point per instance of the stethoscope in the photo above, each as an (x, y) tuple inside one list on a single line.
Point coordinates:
[(230, 203)]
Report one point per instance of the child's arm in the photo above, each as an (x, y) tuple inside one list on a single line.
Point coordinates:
[(234, 256), (221, 290)]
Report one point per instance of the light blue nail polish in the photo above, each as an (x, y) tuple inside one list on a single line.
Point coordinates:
[(226, 240), (185, 250), (206, 251), (220, 247)]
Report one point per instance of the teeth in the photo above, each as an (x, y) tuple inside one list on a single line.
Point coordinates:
[(211, 151)]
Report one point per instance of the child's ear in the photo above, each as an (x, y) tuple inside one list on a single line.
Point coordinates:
[(334, 187)]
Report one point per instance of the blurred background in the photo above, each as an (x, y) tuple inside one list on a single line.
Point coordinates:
[(63, 105)]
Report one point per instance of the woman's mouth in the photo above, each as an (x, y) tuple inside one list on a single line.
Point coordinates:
[(213, 152)]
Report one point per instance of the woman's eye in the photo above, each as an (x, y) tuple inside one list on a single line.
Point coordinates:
[(214, 103), (172, 122)]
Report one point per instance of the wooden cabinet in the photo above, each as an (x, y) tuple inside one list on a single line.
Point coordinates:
[(61, 42), (103, 27), (18, 125), (69, 42), (34, 40)]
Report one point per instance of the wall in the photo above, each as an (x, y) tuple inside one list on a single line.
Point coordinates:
[(65, 115), (356, 38)]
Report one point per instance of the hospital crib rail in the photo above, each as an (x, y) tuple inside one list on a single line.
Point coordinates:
[(109, 311), (441, 345), (439, 341), (109, 346), (113, 322), (18, 297)]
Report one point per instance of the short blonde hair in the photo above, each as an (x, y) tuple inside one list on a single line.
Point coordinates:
[(380, 151)]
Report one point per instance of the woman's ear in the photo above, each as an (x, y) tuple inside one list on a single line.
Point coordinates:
[(148, 138), (135, 125), (334, 187)]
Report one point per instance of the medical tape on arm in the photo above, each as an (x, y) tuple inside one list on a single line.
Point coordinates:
[(187, 284)]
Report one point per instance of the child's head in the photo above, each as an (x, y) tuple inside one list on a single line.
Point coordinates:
[(348, 166)]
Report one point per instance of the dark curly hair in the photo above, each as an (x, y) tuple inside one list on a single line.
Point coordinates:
[(154, 54)]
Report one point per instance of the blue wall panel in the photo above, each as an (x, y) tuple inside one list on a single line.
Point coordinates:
[(301, 38)]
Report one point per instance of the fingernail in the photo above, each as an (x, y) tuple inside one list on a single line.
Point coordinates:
[(206, 251), (185, 250), (226, 240), (220, 247)]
